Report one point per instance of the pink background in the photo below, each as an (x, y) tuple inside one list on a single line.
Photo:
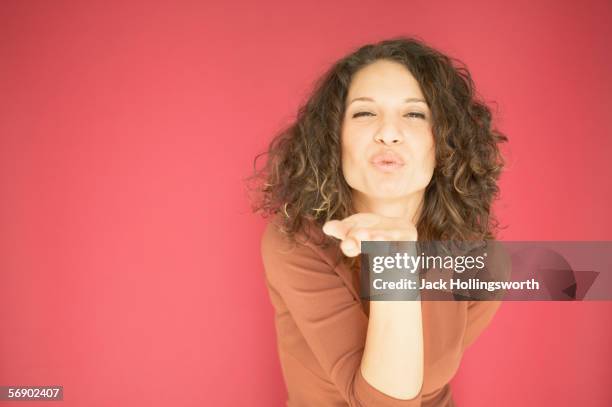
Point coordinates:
[(129, 260)]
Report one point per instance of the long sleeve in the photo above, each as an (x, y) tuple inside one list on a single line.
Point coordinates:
[(481, 312), (332, 322), (479, 315)]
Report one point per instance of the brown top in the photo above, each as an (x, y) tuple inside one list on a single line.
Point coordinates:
[(321, 325)]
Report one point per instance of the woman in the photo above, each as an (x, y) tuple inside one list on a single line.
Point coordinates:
[(392, 145)]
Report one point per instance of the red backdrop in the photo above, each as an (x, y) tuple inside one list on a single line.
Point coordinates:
[(129, 260)]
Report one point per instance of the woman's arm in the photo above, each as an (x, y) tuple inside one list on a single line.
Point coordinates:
[(393, 356), (336, 328)]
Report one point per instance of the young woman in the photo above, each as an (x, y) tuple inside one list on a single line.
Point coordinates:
[(392, 145)]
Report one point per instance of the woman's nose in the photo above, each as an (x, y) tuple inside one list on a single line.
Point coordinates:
[(389, 133)]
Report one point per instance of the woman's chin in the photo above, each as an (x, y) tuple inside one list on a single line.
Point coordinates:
[(386, 195)]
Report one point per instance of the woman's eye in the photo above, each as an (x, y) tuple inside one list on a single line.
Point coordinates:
[(411, 114), (416, 114), (361, 114)]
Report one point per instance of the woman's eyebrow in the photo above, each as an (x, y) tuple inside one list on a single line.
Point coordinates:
[(368, 99)]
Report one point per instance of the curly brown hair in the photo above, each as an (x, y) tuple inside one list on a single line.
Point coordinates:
[(303, 180)]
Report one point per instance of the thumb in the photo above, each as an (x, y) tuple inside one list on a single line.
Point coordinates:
[(336, 229)]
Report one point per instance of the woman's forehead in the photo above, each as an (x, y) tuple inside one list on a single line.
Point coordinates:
[(384, 81)]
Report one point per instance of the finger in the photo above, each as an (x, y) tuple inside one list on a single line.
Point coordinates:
[(359, 234), (341, 229), (354, 238), (379, 238), (362, 219), (336, 229), (395, 234), (350, 247)]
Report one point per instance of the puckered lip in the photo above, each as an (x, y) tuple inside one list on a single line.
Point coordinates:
[(387, 157)]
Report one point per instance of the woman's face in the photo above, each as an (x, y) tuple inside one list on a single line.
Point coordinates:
[(387, 113)]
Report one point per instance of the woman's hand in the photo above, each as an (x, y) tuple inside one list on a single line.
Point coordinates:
[(369, 227)]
